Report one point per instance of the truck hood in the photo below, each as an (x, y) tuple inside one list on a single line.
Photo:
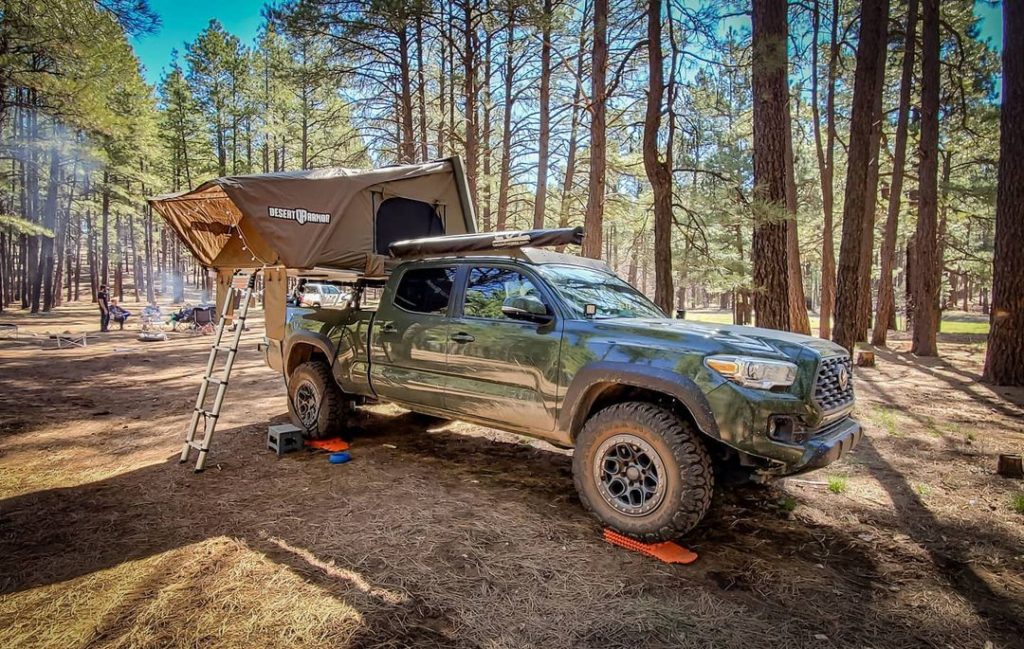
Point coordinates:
[(722, 339)]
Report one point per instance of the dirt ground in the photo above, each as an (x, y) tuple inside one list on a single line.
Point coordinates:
[(468, 537)]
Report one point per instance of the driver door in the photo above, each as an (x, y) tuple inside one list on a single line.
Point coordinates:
[(502, 369)]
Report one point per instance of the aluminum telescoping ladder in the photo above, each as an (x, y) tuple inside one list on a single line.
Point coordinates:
[(209, 417)]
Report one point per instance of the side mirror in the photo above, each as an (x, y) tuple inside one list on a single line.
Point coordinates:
[(526, 307)]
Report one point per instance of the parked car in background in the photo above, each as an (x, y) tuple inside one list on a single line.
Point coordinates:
[(318, 296)]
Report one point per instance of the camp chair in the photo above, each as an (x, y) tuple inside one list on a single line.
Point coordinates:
[(202, 320)]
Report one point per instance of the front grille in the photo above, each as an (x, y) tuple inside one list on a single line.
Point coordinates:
[(829, 393)]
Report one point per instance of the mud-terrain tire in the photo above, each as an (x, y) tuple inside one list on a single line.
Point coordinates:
[(643, 435), (311, 386)]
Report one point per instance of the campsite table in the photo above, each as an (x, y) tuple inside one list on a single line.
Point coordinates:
[(8, 328), (71, 340)]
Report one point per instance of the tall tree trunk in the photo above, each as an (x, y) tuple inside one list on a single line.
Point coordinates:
[(119, 262), (925, 286), (941, 238), (886, 304), (594, 219), (541, 194), (798, 319), (506, 128), (442, 90), (60, 255), (150, 292), (771, 95), (105, 241), (469, 90), (44, 275), (574, 123), (407, 150), (486, 152), (826, 156), (873, 28), (870, 205), (421, 87), (4, 256), (1004, 361), (659, 172)]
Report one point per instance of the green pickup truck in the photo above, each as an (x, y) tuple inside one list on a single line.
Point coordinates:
[(557, 347)]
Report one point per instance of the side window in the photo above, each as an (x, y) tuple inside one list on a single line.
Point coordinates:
[(488, 288), (425, 290)]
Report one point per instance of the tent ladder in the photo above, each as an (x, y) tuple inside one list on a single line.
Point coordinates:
[(201, 413)]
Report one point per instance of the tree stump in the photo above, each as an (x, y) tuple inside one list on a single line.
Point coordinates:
[(1011, 466), (865, 359)]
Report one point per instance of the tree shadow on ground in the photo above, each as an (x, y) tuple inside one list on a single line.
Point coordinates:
[(929, 366), (421, 521)]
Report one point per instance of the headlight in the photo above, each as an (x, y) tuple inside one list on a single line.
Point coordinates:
[(753, 372)]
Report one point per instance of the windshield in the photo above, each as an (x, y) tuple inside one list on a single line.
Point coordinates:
[(614, 298)]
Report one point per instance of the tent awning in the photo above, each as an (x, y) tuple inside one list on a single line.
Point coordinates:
[(334, 217)]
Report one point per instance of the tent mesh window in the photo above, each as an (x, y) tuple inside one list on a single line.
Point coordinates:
[(404, 218)]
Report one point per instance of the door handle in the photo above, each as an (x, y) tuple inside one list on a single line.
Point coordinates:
[(461, 337), (388, 328)]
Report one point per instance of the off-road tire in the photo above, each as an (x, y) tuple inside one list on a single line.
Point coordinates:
[(689, 479), (333, 406)]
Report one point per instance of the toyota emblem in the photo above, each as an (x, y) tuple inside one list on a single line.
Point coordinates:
[(844, 378)]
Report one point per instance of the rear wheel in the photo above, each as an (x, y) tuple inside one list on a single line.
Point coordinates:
[(643, 471), (315, 402)]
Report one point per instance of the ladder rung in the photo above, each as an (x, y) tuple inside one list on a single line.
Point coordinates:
[(215, 381), (225, 348), (197, 445), (207, 413)]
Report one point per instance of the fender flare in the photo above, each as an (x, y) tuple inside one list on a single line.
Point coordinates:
[(304, 337), (589, 382)]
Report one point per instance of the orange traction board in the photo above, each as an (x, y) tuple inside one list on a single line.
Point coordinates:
[(333, 444), (668, 551)]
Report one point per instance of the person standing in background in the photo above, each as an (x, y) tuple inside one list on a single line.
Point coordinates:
[(103, 300)]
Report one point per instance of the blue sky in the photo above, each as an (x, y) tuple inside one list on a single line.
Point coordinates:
[(182, 20)]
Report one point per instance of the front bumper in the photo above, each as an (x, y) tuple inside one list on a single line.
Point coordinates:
[(826, 448)]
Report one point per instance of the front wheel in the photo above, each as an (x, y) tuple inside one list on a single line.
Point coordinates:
[(643, 471), (315, 403)]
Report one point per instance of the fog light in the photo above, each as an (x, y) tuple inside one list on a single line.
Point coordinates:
[(786, 429)]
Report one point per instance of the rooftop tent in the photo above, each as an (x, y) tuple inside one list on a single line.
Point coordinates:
[(333, 218)]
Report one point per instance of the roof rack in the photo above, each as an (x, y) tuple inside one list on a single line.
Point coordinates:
[(492, 242)]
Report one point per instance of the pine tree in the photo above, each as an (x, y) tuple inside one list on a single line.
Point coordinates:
[(1004, 360)]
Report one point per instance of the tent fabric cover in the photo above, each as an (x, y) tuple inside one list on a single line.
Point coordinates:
[(319, 217)]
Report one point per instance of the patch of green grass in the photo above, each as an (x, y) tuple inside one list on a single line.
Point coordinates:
[(712, 317), (970, 436), (725, 317), (964, 327), (888, 420), (1017, 502), (837, 484), (922, 489), (788, 504)]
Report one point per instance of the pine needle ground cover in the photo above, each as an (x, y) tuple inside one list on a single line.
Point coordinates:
[(458, 536)]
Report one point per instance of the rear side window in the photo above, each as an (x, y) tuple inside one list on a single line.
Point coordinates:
[(425, 290)]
